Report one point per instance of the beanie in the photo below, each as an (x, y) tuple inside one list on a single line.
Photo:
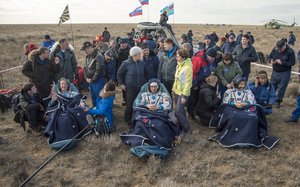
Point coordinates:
[(212, 52), (135, 51)]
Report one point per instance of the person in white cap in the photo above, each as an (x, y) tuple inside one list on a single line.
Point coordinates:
[(131, 77)]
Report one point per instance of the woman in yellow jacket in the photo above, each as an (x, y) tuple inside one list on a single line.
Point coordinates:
[(182, 86)]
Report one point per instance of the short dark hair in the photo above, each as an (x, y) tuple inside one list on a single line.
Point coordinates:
[(27, 87), (183, 53), (43, 50), (246, 36), (61, 41), (227, 56), (169, 41), (262, 72)]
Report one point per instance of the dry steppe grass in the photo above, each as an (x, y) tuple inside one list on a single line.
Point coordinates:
[(107, 162)]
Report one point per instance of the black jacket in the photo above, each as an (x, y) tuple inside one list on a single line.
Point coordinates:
[(244, 57), (94, 66), (132, 74), (287, 58), (208, 101), (41, 75), (123, 55)]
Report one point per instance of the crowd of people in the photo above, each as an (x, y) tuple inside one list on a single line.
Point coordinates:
[(197, 81)]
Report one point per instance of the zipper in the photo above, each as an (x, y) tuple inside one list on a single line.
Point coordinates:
[(137, 72)]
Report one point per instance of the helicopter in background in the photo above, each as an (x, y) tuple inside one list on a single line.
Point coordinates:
[(277, 24)]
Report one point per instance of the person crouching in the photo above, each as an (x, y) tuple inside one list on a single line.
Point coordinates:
[(104, 104), (30, 102), (208, 101)]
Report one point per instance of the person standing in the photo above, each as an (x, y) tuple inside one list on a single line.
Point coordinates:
[(182, 86), (229, 46), (94, 70), (40, 70), (167, 65), (202, 63), (239, 37), (110, 66), (206, 44), (123, 54), (283, 58), (106, 35), (68, 62), (131, 77), (292, 39), (150, 60), (244, 54)]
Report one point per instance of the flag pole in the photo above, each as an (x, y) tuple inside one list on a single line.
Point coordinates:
[(72, 33), (148, 12)]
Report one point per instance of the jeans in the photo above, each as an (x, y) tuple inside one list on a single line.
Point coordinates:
[(280, 81), (181, 114), (95, 89), (296, 113)]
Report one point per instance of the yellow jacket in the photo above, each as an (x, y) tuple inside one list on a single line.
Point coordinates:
[(183, 78)]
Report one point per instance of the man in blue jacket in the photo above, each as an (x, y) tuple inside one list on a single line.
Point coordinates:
[(292, 39), (283, 58), (110, 66), (230, 45), (263, 91), (150, 60), (48, 42), (131, 77)]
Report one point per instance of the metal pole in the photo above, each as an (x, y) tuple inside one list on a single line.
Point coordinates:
[(148, 12), (56, 153), (72, 33)]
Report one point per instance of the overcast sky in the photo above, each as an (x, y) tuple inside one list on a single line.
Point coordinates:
[(116, 11)]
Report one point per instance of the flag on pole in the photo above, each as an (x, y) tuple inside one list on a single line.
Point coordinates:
[(137, 12), (169, 9), (65, 16), (144, 2)]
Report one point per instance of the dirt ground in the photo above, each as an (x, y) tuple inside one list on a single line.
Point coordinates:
[(107, 162)]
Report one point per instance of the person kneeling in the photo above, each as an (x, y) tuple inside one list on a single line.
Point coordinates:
[(263, 91), (30, 102), (104, 105), (208, 101)]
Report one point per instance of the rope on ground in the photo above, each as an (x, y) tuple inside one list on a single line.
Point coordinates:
[(265, 66), (10, 69)]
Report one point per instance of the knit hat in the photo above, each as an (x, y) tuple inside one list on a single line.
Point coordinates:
[(123, 40), (212, 52), (109, 53), (135, 51), (86, 45), (280, 44), (145, 45)]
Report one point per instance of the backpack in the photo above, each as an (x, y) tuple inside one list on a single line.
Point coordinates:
[(102, 126), (15, 102)]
